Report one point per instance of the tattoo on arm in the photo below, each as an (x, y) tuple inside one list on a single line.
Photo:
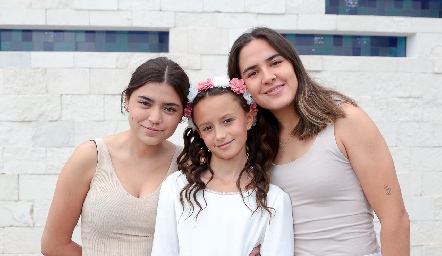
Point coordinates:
[(387, 189)]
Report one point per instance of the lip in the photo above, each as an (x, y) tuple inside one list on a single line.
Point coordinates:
[(224, 144), (151, 129), (274, 90)]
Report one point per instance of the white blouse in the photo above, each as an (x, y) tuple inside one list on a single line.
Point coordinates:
[(225, 226)]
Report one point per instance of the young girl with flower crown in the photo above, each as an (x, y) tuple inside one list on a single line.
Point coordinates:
[(222, 202)]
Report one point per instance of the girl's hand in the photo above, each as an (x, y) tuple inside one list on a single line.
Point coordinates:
[(255, 251)]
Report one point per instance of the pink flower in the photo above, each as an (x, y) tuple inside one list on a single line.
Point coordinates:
[(205, 85), (188, 110), (255, 108), (237, 85)]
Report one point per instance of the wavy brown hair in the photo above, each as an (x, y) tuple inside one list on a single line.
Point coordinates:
[(317, 105), (260, 158)]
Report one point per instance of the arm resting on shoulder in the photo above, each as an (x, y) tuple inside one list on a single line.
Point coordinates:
[(359, 139)]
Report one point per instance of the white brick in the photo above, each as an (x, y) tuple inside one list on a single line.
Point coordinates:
[(75, 106), (21, 240), (419, 208), (305, 7), (229, 20), (131, 61), (428, 45), (347, 63), (16, 4), (378, 64), (438, 207), (432, 182), (31, 83), (25, 160), (264, 6), (396, 106), (437, 129), (29, 107), (37, 187), (187, 61), (355, 83), (415, 134), (393, 24), (152, 19), (85, 131), (178, 40), (109, 81), (52, 4), (402, 162), (177, 136), (110, 18), (186, 6), (426, 160), (23, 17), (3, 89), (234, 34), (375, 107), (415, 65), (356, 23), (41, 209), (285, 22), (96, 5), (56, 158), (1, 161), (19, 134), (420, 231), (320, 22), (200, 41), (9, 187), (17, 214), (438, 66), (1, 237), (429, 85), (432, 110), (68, 81), (15, 59), (67, 17), (112, 108), (52, 59), (53, 134), (433, 250), (425, 25), (148, 5), (416, 250), (411, 184), (95, 60), (224, 6), (214, 62), (190, 19), (312, 62)]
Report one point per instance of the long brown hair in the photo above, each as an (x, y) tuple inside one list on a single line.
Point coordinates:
[(260, 158), (317, 105)]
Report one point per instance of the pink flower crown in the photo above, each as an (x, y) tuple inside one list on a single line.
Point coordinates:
[(236, 85)]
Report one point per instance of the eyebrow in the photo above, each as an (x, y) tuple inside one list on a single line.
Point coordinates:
[(221, 118), (166, 103), (267, 60)]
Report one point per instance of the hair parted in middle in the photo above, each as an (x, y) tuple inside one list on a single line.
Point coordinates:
[(259, 160), (317, 105)]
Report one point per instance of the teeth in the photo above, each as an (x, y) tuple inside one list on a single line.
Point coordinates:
[(273, 90)]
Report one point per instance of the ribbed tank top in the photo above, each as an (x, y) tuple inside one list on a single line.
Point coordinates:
[(331, 214), (114, 222)]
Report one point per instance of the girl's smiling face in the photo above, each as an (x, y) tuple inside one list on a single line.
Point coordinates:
[(223, 124)]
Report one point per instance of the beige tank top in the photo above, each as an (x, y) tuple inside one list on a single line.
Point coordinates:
[(114, 222), (331, 215)]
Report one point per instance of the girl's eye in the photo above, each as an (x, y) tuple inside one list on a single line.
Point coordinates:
[(207, 128), (145, 103), (252, 74), (276, 63), (228, 121), (170, 109)]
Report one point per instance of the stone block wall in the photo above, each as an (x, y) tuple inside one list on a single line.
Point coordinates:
[(50, 102)]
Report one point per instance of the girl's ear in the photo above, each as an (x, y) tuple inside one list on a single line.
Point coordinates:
[(250, 117)]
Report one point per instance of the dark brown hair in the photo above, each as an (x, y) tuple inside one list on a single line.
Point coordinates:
[(260, 158), (158, 70), (317, 106)]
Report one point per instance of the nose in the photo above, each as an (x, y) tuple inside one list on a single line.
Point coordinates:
[(155, 115), (220, 134), (267, 76)]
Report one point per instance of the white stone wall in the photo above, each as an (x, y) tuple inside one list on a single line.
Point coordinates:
[(51, 102)]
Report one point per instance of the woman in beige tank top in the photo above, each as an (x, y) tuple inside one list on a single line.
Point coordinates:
[(113, 183), (321, 130)]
